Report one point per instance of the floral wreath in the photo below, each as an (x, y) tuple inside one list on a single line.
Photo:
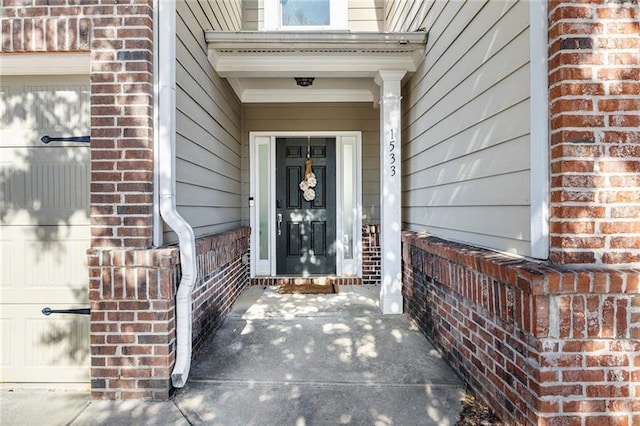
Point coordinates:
[(309, 182)]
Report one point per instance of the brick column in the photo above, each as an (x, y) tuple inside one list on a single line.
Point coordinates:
[(132, 287), (122, 126), (594, 80), (132, 322)]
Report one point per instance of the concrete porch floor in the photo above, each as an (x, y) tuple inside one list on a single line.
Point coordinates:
[(318, 360), (285, 360)]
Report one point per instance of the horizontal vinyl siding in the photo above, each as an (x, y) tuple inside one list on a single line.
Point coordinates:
[(208, 147), (252, 15), (363, 15), (366, 15), (360, 117), (466, 126)]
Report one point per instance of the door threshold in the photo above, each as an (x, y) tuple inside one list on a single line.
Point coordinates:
[(315, 279)]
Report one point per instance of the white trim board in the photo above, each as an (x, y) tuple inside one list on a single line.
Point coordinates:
[(539, 137), (45, 63)]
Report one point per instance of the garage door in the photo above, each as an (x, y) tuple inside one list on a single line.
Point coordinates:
[(44, 229)]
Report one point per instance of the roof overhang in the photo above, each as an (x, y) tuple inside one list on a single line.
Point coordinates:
[(261, 65)]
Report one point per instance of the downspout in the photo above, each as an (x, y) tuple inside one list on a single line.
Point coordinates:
[(165, 133)]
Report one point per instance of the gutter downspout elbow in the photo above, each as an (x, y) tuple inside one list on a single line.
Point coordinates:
[(165, 140), (186, 239)]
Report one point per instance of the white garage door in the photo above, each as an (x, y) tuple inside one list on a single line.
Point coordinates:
[(44, 228)]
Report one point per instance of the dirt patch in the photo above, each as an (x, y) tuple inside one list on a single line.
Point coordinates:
[(475, 413)]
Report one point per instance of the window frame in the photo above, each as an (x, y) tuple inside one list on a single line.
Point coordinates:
[(338, 18)]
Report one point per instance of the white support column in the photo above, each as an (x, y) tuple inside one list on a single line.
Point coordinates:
[(390, 187)]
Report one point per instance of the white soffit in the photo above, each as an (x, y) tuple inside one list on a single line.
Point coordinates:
[(257, 90), (261, 65), (45, 63)]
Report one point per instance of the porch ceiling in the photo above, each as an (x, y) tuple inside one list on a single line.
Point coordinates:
[(261, 66)]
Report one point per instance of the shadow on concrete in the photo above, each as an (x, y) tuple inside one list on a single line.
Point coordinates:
[(318, 359)]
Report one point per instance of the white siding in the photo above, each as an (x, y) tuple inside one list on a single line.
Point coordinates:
[(363, 15), (252, 14), (366, 15), (208, 146), (466, 140), (325, 117)]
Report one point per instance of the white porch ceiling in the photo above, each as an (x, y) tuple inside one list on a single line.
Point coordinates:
[(261, 66)]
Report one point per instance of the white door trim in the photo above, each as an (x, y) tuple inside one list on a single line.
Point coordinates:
[(267, 267)]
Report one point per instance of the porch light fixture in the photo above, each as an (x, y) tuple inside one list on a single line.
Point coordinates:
[(304, 81)]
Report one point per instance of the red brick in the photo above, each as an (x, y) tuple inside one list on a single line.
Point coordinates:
[(608, 420), (574, 143), (583, 376), (572, 166), (619, 258), (625, 242), (632, 74), (619, 166), (607, 360), (618, 105), (579, 120), (584, 406)]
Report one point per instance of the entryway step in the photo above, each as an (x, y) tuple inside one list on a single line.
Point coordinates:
[(276, 281)]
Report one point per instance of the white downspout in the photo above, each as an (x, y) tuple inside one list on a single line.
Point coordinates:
[(165, 134)]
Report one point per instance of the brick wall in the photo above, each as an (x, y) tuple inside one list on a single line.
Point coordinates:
[(542, 344), (594, 82), (120, 40), (371, 268), (222, 276), (41, 26), (132, 293)]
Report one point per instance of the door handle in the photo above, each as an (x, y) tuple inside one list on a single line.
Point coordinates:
[(279, 223), (82, 311)]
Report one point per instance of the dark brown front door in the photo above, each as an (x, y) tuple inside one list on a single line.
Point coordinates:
[(306, 230)]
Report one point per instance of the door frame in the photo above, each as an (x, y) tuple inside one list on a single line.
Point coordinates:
[(265, 266)]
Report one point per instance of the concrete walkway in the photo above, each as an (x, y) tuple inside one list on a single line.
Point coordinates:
[(295, 360)]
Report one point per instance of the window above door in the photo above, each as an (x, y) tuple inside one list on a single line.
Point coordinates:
[(307, 15)]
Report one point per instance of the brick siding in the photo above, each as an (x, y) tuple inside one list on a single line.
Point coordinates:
[(594, 83), (132, 293), (540, 343)]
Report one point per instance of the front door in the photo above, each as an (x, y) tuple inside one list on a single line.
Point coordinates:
[(306, 229)]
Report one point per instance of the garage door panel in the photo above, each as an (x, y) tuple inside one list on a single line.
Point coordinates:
[(6, 281), (30, 109), (44, 349), (44, 228), (45, 186), (49, 267), (7, 334)]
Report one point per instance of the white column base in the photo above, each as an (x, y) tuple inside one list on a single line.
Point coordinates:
[(390, 304)]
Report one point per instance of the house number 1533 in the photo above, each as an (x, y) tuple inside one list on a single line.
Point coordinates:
[(392, 154)]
